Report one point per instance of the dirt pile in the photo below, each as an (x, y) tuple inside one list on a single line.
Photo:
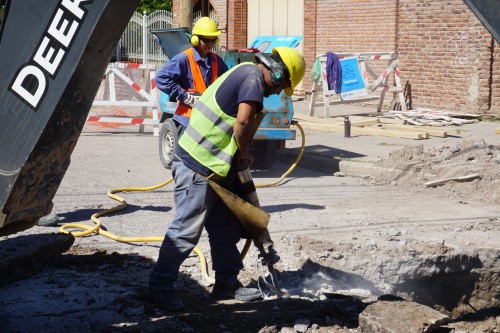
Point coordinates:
[(419, 167)]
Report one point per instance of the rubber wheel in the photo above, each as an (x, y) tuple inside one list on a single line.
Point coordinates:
[(168, 141), (264, 152)]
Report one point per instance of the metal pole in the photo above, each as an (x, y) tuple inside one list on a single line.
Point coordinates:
[(205, 8), (118, 51), (186, 14), (144, 38)]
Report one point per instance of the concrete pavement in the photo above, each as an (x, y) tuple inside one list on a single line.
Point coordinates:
[(331, 152)]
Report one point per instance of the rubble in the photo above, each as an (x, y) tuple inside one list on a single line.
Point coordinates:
[(400, 317)]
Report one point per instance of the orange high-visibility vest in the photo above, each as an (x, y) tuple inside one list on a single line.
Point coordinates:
[(199, 83)]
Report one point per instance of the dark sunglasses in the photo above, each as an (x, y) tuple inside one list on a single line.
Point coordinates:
[(207, 40)]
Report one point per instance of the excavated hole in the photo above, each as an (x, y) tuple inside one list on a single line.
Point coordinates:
[(454, 284), (446, 279)]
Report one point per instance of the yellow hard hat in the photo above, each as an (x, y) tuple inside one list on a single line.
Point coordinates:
[(205, 26), (295, 64)]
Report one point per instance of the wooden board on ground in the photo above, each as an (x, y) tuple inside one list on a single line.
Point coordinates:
[(391, 120), (434, 118), (438, 132), (458, 179), (393, 124), (355, 120), (365, 131)]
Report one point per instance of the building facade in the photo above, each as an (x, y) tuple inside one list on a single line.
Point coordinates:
[(450, 61)]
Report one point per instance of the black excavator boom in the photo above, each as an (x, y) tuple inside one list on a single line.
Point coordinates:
[(488, 12), (54, 54)]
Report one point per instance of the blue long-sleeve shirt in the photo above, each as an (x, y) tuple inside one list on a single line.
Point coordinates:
[(175, 78)]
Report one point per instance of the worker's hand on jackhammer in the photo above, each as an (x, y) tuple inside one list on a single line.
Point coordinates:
[(190, 99), (244, 159), (268, 254)]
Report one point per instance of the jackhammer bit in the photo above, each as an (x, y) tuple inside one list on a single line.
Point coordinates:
[(267, 254), (269, 257)]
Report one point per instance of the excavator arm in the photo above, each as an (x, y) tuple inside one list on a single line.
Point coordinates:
[(54, 53), (488, 12)]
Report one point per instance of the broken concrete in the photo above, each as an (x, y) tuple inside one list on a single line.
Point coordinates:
[(23, 256), (400, 317)]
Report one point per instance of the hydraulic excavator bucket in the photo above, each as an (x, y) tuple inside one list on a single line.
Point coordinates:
[(54, 53)]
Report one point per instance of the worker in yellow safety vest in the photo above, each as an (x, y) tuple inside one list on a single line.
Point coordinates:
[(188, 74), (215, 144)]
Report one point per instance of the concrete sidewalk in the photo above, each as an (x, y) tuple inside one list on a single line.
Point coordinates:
[(356, 156)]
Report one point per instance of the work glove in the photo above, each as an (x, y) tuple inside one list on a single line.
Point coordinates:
[(190, 99)]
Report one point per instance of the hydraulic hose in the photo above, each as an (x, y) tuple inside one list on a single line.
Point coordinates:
[(294, 164), (96, 228)]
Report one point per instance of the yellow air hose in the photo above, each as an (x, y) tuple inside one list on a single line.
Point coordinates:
[(96, 228)]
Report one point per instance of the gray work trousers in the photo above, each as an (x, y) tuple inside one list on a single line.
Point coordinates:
[(197, 206)]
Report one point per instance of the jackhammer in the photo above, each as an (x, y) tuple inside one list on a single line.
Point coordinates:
[(253, 219), (267, 254)]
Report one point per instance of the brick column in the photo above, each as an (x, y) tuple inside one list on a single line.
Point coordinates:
[(237, 24), (309, 41)]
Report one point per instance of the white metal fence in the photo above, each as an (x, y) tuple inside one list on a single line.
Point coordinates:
[(138, 45)]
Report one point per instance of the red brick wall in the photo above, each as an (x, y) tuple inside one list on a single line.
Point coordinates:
[(348, 26), (445, 52), (355, 26), (237, 22)]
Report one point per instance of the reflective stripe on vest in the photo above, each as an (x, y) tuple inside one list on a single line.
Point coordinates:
[(209, 135), (198, 81)]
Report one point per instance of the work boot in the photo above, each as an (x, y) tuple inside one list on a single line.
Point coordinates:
[(48, 220), (222, 291), (165, 300)]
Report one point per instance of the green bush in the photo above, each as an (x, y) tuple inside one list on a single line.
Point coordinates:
[(154, 5)]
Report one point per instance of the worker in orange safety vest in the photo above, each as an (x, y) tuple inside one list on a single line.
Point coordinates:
[(188, 74)]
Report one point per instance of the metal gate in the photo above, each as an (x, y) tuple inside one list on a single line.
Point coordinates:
[(138, 45)]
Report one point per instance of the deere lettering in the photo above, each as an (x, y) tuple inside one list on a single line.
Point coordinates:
[(30, 84)]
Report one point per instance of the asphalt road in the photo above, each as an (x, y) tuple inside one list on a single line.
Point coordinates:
[(307, 201)]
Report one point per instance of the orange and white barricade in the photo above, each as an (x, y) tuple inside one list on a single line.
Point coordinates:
[(144, 97), (375, 90)]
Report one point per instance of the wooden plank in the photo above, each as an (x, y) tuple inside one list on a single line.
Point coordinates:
[(364, 123), (497, 130), (321, 127), (365, 131), (448, 113), (355, 120), (387, 132), (408, 120), (446, 180), (419, 129), (391, 120), (303, 118)]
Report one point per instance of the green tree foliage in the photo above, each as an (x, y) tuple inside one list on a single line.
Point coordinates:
[(145, 6), (154, 5)]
